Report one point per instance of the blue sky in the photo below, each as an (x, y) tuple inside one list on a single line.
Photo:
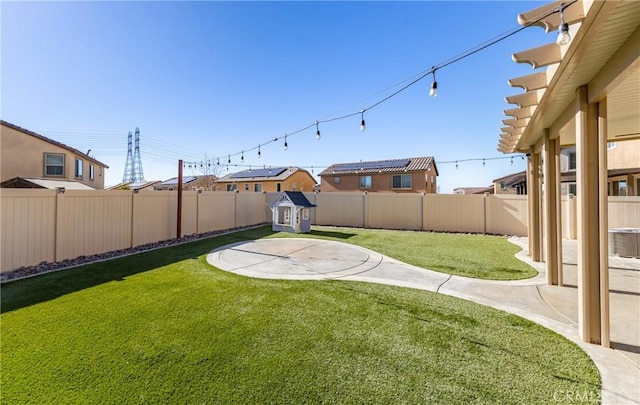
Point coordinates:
[(203, 79)]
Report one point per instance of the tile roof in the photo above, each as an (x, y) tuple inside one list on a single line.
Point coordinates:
[(415, 164), (51, 141)]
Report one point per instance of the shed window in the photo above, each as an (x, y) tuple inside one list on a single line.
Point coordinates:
[(365, 181), (53, 165), (401, 181)]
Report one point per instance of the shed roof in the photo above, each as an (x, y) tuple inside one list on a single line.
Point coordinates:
[(298, 198)]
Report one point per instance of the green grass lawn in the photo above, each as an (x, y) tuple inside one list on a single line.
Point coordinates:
[(477, 256), (166, 327)]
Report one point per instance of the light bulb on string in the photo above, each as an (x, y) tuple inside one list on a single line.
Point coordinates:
[(242, 157), (456, 164), (563, 28), (228, 161), (433, 92), (218, 161), (362, 124), (317, 131), (482, 162), (259, 154), (286, 145), (511, 160)]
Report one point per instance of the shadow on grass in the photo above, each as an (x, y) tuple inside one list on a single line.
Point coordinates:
[(23, 293), (330, 234)]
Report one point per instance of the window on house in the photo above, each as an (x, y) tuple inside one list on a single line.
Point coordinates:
[(432, 179), (295, 186), (278, 187), (336, 180), (53, 164), (91, 172), (78, 168), (502, 185), (611, 145), (231, 187), (257, 187), (365, 181), (573, 189), (401, 181), (246, 186), (572, 161)]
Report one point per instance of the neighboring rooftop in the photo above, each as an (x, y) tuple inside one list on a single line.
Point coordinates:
[(414, 164), (51, 141), (261, 174), (30, 182)]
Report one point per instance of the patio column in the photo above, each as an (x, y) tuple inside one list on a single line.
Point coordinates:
[(553, 210), (533, 205), (591, 176)]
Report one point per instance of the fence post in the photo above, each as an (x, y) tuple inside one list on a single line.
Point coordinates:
[(486, 195), (364, 210), (57, 232), (422, 211)]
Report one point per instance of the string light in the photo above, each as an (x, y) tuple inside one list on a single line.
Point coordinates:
[(433, 92), (483, 164), (218, 161), (259, 154), (563, 36), (242, 157), (286, 146), (563, 28), (511, 160), (228, 161), (456, 164)]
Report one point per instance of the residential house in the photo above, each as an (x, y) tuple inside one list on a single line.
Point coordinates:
[(623, 164), (418, 175), (270, 179), (473, 190), (193, 183), (30, 160), (515, 183)]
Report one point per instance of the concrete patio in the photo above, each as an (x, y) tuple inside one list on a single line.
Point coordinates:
[(553, 307)]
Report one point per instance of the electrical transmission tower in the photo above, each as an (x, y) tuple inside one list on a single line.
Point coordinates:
[(133, 166)]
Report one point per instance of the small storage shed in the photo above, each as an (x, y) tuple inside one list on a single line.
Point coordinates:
[(291, 212)]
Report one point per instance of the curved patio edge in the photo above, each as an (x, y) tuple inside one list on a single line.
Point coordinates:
[(317, 259)]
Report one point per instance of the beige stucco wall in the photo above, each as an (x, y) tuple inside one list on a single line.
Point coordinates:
[(302, 179), (624, 155), (22, 155), (420, 182)]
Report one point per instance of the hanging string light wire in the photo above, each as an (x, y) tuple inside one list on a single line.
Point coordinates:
[(470, 52)]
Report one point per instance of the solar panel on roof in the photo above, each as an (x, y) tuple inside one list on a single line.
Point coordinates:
[(383, 164), (247, 174)]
